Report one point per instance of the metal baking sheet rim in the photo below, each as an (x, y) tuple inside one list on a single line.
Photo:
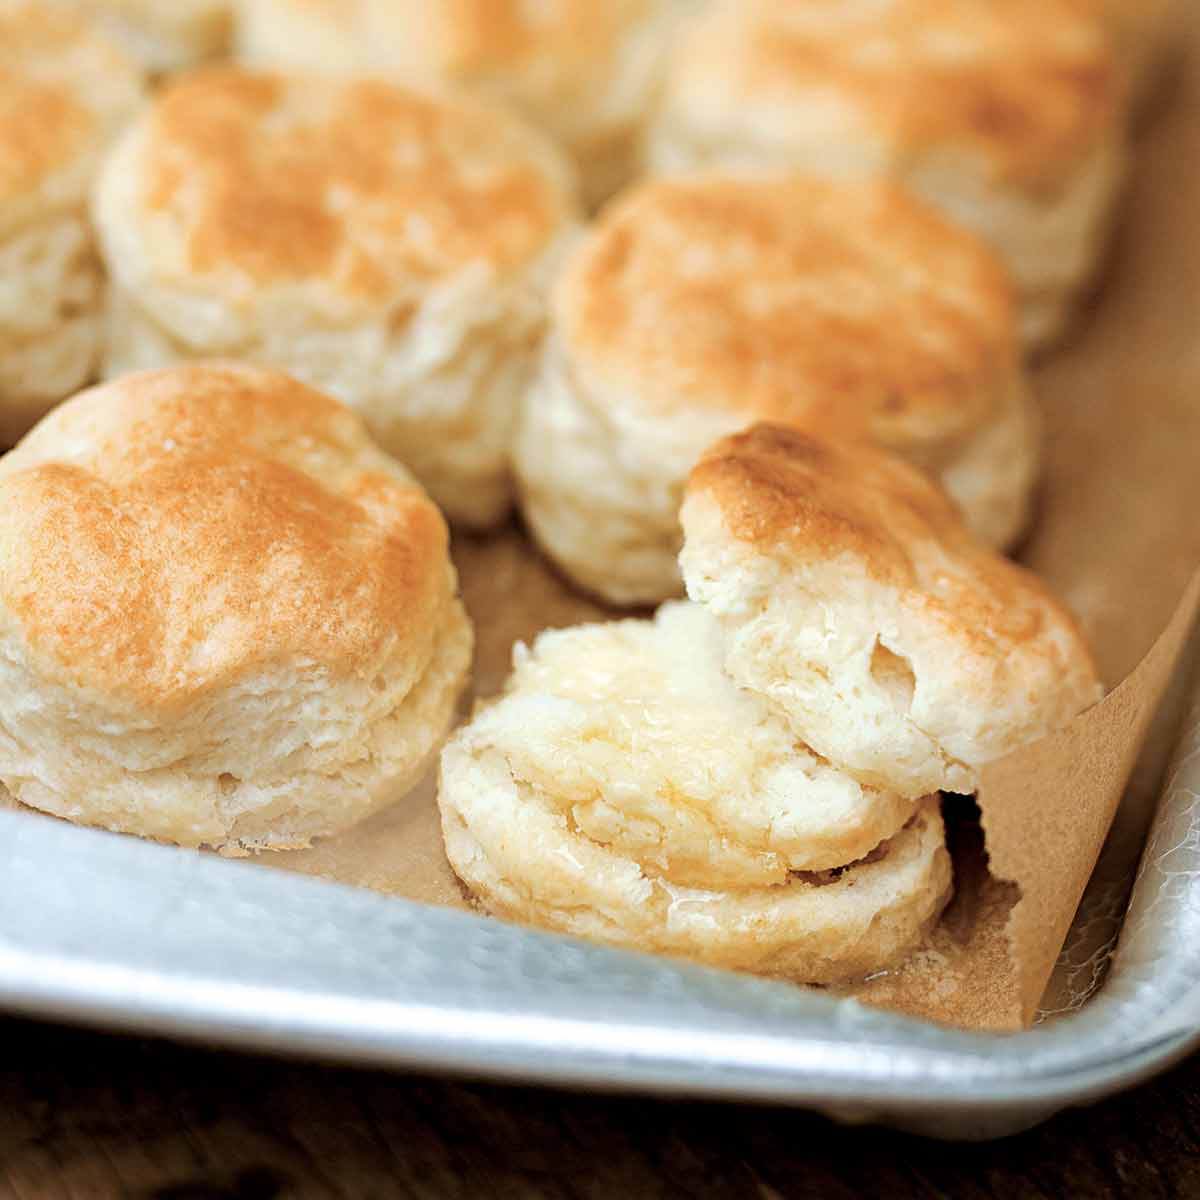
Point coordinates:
[(825, 1074)]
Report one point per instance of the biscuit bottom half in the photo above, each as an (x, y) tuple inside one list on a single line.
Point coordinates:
[(624, 790)]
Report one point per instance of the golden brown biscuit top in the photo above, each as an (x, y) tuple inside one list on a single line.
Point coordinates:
[(844, 306), (360, 184), (62, 91), (804, 499), (473, 38), (546, 48), (1031, 85), (177, 529)]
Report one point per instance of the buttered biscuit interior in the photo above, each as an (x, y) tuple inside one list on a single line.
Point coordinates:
[(623, 788)]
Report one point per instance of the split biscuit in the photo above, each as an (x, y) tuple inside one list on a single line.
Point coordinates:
[(750, 779), (226, 618), (386, 245), (696, 306), (623, 789), (1007, 114)]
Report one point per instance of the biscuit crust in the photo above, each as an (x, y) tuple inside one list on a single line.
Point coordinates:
[(846, 584), (1028, 86), (851, 307), (584, 72), (360, 190), (256, 505), (1009, 115), (63, 92), (213, 574)]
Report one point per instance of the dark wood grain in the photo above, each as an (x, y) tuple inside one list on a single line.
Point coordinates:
[(86, 1116)]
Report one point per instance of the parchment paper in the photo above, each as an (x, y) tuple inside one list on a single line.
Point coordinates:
[(1118, 537)]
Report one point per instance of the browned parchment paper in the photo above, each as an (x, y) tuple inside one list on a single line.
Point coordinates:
[(1117, 535)]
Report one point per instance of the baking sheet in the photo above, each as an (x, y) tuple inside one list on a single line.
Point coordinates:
[(1115, 536)]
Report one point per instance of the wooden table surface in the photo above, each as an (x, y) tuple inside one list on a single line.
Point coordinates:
[(84, 1115)]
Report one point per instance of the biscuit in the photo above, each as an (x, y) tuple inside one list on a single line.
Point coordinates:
[(623, 789), (583, 72), (163, 35), (1007, 114), (64, 92), (226, 618), (852, 598), (386, 245), (696, 306)]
